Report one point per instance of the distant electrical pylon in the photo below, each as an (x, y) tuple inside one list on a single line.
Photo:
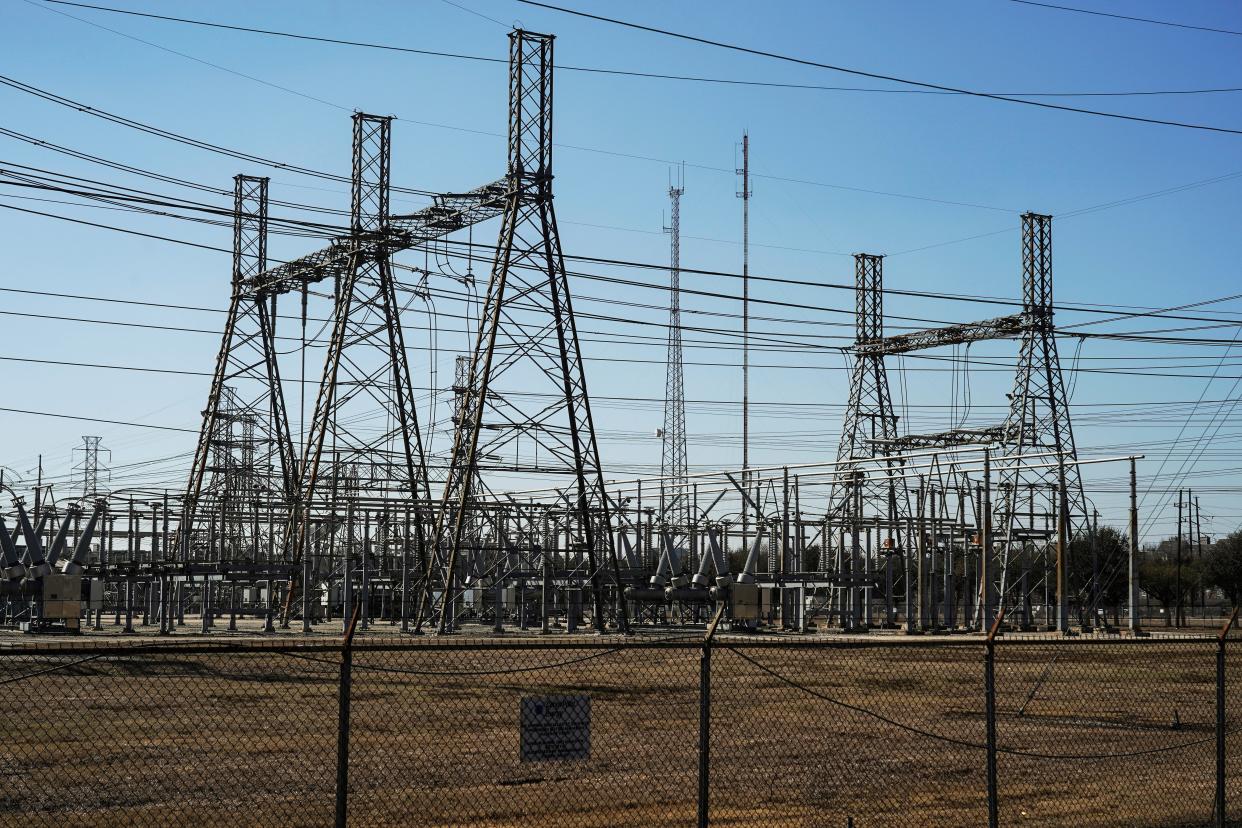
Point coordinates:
[(89, 469), (674, 468)]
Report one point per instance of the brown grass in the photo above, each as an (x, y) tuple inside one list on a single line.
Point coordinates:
[(241, 738)]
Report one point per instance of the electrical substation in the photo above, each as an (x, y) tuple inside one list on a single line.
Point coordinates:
[(518, 526), (430, 481)]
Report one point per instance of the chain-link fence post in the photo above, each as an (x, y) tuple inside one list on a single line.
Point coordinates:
[(705, 717), (1220, 719), (989, 692), (342, 724), (705, 726)]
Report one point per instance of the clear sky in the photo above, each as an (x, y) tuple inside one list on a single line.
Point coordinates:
[(936, 182)]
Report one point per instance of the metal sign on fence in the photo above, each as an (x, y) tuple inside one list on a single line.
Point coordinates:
[(555, 728)]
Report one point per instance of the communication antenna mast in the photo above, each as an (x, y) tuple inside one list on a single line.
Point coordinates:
[(673, 463), (744, 194)]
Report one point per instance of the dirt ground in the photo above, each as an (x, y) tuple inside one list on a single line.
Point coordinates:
[(888, 732)]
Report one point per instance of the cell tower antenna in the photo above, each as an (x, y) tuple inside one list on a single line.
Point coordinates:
[(744, 194), (674, 464)]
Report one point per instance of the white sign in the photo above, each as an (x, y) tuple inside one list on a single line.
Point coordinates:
[(555, 728)]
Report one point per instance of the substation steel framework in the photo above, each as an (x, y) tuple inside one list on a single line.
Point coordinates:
[(246, 393), (527, 334), (244, 451), (365, 366), (1041, 504), (868, 432)]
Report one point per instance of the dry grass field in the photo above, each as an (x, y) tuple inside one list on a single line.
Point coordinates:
[(886, 732)]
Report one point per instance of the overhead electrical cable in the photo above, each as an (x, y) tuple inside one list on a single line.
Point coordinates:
[(622, 72), (1130, 18), (159, 132), (878, 75)]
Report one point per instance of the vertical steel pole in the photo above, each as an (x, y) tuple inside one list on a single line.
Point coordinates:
[(405, 576), (986, 600), (1178, 612), (307, 574), (908, 565), (921, 593), (1062, 568), (545, 594)]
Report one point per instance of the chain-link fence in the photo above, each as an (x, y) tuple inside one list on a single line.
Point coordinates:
[(889, 731)]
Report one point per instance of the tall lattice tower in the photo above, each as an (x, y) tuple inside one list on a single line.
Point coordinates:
[(244, 422), (527, 333), (673, 463), (1034, 492), (870, 425), (365, 424)]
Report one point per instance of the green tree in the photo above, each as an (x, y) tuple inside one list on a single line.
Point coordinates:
[(1158, 577), (1222, 566), (1111, 562)]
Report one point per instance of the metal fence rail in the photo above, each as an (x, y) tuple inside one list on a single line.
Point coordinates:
[(882, 732)]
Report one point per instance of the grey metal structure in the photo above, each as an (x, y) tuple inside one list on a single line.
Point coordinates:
[(528, 335), (869, 429), (244, 445), (1032, 500)]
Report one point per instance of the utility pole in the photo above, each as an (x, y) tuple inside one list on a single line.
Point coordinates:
[(745, 194), (1199, 558), (1095, 567), (1133, 594), (1178, 586), (38, 503)]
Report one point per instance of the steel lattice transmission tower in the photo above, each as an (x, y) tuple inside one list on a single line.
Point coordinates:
[(90, 467), (528, 336), (674, 466), (1035, 491), (245, 425), (870, 426), (365, 426)]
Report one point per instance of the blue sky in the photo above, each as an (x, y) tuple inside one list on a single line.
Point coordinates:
[(994, 159)]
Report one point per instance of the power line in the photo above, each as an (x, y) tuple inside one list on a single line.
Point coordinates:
[(877, 75), (1129, 17), (704, 293), (184, 203), (1107, 406), (159, 132), (619, 72), (117, 229), (199, 60), (98, 420)]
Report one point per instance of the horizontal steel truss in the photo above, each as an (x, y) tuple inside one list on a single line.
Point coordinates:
[(1002, 327), (948, 439), (450, 213)]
